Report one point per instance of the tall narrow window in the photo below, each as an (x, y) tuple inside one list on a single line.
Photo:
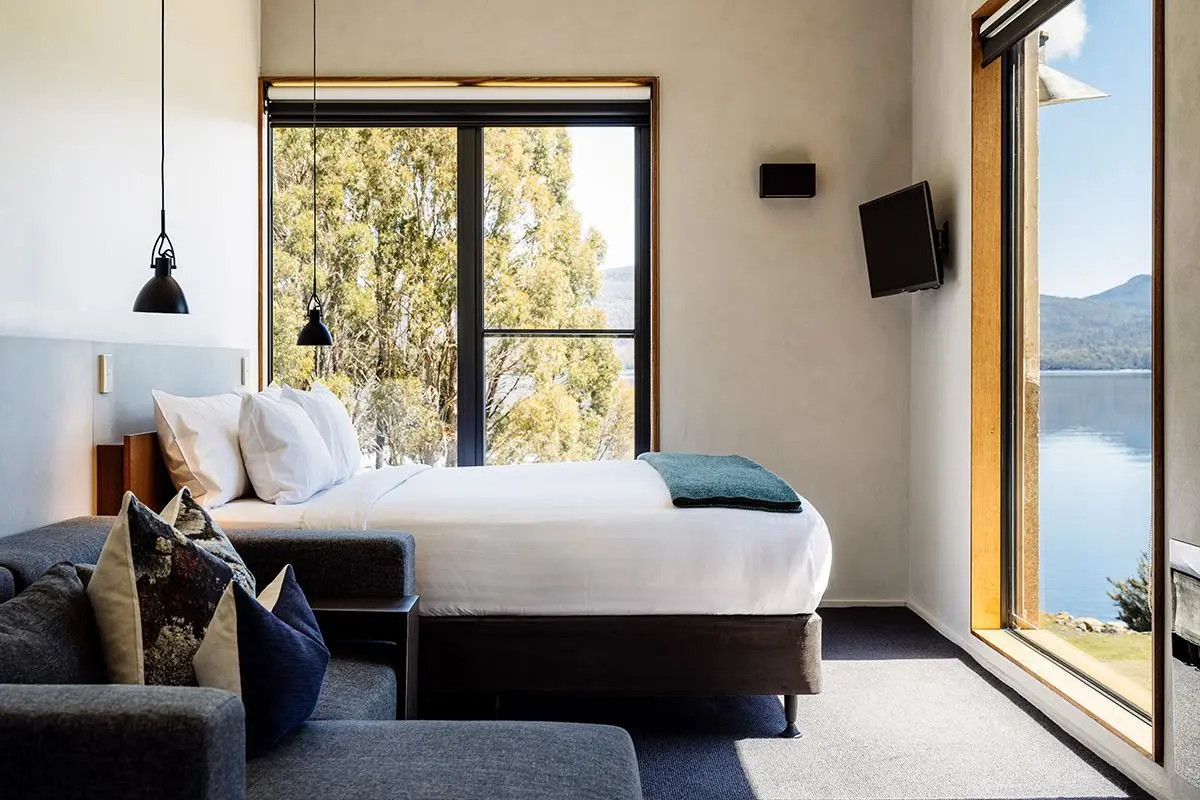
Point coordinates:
[(1078, 237), (486, 268), (559, 328)]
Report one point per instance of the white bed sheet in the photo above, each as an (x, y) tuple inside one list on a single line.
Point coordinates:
[(577, 538)]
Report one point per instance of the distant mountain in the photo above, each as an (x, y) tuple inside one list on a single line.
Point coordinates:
[(1105, 331), (616, 296), (1134, 292)]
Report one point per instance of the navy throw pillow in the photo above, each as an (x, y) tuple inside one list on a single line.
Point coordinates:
[(270, 651)]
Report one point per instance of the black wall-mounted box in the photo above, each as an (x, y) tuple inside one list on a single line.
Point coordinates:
[(787, 180)]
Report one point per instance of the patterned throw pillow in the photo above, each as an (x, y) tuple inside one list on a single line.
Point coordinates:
[(189, 518), (269, 651), (153, 592)]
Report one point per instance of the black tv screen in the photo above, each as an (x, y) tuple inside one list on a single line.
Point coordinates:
[(901, 241)]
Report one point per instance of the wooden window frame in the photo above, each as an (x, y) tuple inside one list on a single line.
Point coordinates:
[(264, 237), (987, 593)]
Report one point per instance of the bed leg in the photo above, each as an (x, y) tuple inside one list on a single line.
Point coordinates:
[(791, 703)]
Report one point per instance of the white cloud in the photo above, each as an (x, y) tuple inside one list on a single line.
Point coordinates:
[(1067, 30)]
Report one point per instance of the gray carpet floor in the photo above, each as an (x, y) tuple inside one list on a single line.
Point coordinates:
[(1186, 703), (904, 714)]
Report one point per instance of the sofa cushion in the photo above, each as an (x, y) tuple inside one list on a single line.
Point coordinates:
[(48, 634), (26, 556), (359, 684), (452, 760)]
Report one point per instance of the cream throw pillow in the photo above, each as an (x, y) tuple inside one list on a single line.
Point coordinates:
[(199, 440)]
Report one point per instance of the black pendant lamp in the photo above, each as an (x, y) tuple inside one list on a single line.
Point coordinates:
[(162, 294), (314, 333)]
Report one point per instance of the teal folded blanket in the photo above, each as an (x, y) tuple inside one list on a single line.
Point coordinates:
[(700, 481)]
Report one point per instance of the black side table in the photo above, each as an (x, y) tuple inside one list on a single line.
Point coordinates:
[(388, 620)]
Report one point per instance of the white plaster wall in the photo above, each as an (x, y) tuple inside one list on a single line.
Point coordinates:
[(1181, 300), (79, 168), (940, 406), (770, 343)]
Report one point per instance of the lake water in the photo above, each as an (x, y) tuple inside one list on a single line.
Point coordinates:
[(1095, 484)]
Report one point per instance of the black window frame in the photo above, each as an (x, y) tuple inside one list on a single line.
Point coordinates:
[(471, 119)]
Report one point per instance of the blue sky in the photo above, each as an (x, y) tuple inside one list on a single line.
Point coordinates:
[(1095, 160)]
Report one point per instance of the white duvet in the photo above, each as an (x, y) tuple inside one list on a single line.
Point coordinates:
[(576, 538)]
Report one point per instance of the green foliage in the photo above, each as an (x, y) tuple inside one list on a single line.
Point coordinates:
[(1132, 596), (387, 273), (1107, 331)]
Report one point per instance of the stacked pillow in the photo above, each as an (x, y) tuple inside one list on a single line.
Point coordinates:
[(333, 423), (199, 439), (285, 444), (179, 610)]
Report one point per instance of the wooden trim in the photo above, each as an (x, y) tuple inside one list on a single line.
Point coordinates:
[(1158, 546), (986, 352), (110, 478), (262, 223), (136, 465), (1051, 643), (566, 81), (983, 12), (477, 80), (1104, 710)]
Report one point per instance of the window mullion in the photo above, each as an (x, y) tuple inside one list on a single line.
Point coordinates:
[(471, 387), (642, 291)]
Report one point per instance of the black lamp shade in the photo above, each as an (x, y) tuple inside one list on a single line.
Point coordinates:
[(161, 294), (314, 333)]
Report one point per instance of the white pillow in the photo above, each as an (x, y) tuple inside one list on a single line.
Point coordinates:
[(199, 440), (333, 423), (285, 456)]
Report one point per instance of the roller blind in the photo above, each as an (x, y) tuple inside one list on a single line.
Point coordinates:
[(1015, 20), (349, 104)]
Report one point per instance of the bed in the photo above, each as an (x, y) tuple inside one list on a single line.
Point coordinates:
[(579, 578)]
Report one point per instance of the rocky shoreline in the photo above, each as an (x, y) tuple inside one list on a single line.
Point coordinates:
[(1090, 624)]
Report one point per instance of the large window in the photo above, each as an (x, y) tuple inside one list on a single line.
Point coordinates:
[(485, 269), (1078, 315)]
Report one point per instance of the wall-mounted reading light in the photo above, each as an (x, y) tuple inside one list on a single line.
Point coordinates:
[(787, 180)]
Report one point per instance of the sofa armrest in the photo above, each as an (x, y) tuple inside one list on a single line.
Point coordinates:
[(121, 741), (332, 564)]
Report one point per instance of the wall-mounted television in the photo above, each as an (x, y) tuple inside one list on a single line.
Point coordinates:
[(904, 247)]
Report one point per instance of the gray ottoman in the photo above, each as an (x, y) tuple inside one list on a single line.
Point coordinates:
[(450, 761)]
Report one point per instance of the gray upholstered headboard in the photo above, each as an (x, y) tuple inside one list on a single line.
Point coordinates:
[(52, 415)]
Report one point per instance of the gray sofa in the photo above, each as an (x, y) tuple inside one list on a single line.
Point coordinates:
[(100, 741)]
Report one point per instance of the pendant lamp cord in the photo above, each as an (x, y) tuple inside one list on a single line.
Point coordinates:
[(314, 149), (163, 247), (162, 124)]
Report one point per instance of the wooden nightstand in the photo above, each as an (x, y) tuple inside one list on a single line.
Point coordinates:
[(387, 620)]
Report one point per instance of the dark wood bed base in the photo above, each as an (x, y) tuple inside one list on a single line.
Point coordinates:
[(615, 655)]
